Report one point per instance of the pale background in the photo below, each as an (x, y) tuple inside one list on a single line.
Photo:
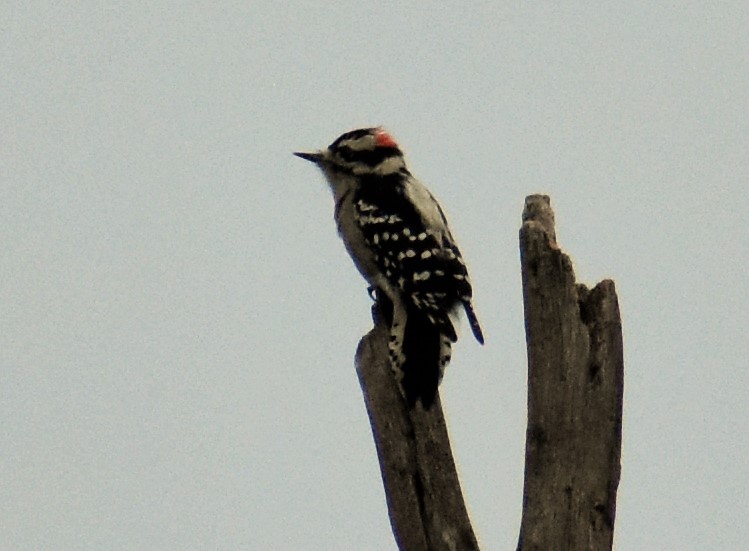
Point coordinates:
[(179, 317)]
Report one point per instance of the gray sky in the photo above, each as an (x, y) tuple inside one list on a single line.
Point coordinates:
[(179, 317)]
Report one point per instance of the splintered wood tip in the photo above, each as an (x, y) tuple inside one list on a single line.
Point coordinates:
[(538, 211)]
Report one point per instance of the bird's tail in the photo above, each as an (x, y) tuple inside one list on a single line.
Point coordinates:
[(473, 321), (427, 351)]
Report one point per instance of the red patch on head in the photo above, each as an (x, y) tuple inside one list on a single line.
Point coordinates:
[(384, 139)]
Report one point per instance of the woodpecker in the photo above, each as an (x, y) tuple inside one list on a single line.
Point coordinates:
[(400, 241)]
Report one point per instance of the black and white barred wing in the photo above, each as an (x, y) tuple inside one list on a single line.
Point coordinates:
[(423, 262)]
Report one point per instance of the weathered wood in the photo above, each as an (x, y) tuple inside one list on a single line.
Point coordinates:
[(423, 494), (575, 387)]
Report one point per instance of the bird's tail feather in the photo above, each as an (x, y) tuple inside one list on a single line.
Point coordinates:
[(473, 321), (426, 352)]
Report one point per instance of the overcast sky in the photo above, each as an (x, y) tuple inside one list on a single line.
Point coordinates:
[(179, 317)]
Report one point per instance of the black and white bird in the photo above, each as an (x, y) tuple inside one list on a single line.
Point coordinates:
[(399, 239)]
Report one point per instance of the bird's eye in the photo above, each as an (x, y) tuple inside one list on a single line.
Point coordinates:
[(346, 153)]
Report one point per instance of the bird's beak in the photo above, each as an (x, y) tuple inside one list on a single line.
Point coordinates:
[(315, 157)]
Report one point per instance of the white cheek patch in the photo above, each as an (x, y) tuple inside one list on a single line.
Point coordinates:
[(391, 165)]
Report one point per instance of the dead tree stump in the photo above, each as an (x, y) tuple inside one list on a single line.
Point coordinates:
[(426, 507), (575, 388)]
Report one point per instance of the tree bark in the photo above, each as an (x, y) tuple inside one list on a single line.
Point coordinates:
[(423, 494), (575, 389)]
